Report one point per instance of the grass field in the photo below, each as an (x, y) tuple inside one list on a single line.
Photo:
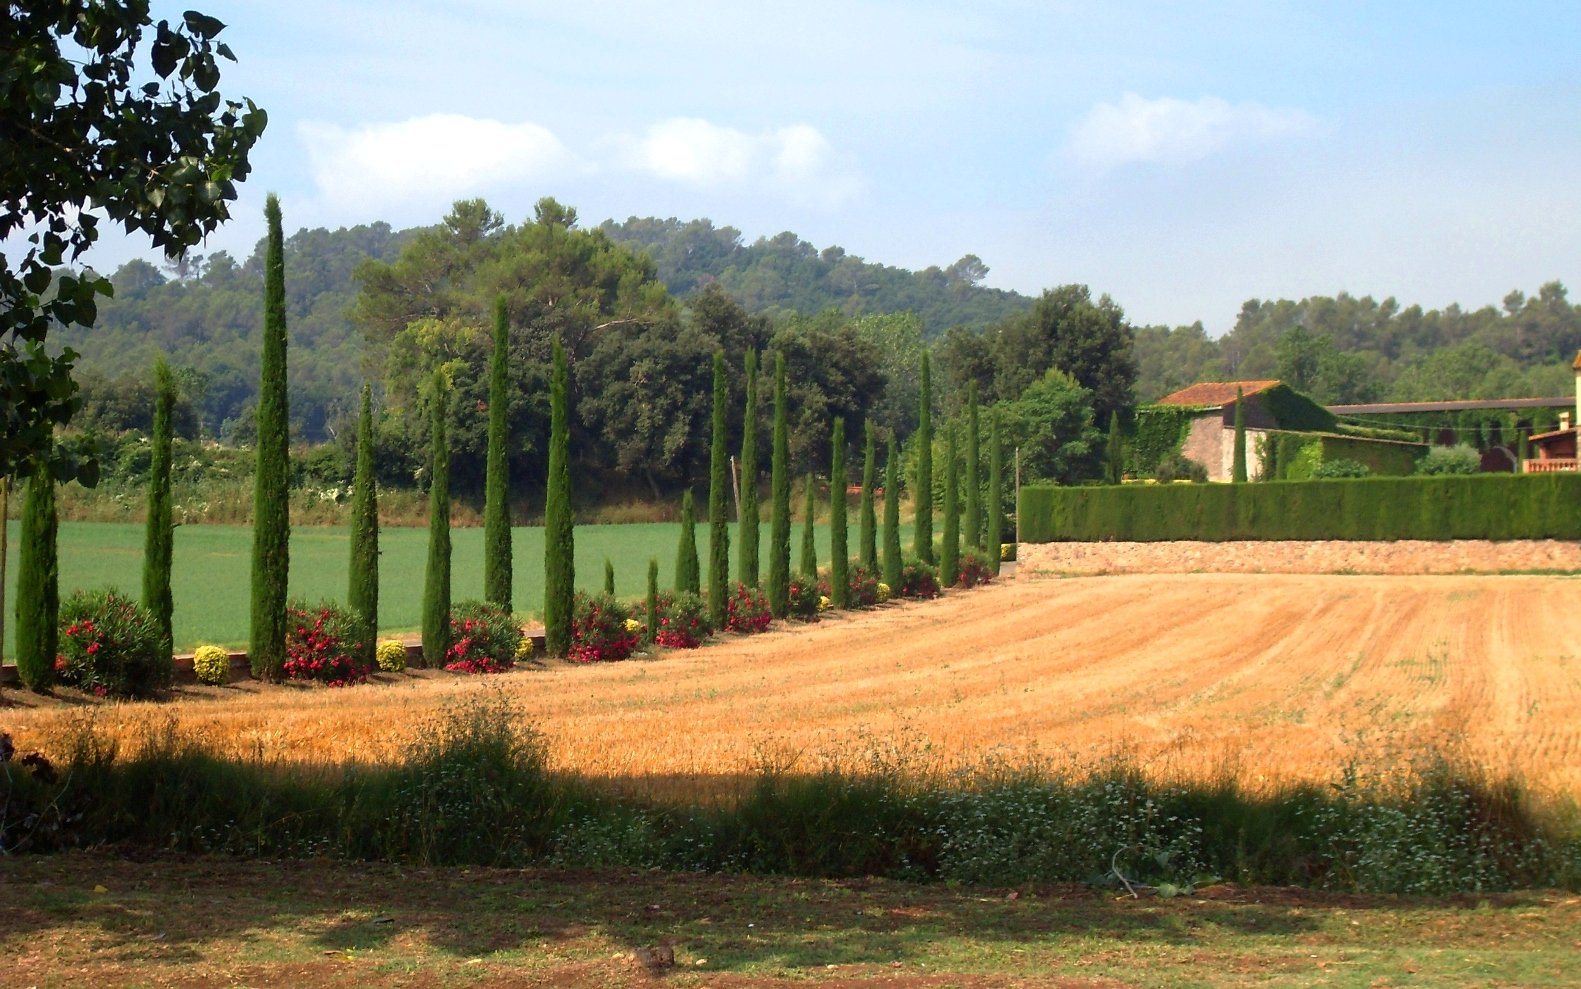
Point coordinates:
[(213, 568), (92, 919)]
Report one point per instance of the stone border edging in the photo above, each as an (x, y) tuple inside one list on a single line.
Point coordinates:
[(1404, 557)]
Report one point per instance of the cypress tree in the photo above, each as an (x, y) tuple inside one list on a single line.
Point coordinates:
[(1114, 453), (809, 547), (974, 470), (436, 583), (950, 556), (271, 562), (496, 485), (559, 583), (922, 498), (892, 560), (686, 576), (718, 504), (867, 521), (747, 536), (1238, 455), (653, 600), (38, 585), (779, 512), (609, 577), (363, 593), (839, 550), (159, 534), (996, 491)]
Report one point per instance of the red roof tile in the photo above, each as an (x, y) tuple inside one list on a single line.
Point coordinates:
[(1214, 394)]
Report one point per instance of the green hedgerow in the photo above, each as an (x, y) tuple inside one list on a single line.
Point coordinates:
[(111, 646), (211, 665)]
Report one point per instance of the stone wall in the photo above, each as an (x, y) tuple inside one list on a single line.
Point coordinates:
[(1325, 556)]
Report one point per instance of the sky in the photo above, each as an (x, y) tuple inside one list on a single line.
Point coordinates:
[(1180, 157)]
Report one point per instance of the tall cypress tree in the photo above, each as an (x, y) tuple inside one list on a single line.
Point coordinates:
[(839, 549), (38, 585), (1114, 453), (867, 520), (652, 628), (779, 512), (436, 583), (686, 576), (996, 490), (159, 533), (892, 561), (1238, 455), (809, 546), (718, 504), (496, 485), (922, 498), (747, 526), (950, 555), (271, 563), (974, 470), (559, 583), (362, 594), (609, 577)]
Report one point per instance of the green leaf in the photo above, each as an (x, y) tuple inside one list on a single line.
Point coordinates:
[(203, 25)]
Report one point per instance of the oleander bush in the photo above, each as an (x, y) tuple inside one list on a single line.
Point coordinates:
[(326, 643), (803, 597), (110, 646), (484, 638), (598, 630), (747, 610), (918, 580), (211, 665), (863, 585), (683, 620), (972, 570)]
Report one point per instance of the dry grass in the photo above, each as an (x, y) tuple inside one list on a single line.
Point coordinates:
[(1267, 678)]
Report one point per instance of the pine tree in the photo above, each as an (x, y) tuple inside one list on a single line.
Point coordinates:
[(38, 585), (996, 491), (892, 561), (718, 504), (1238, 455), (867, 520), (747, 526), (271, 562), (922, 497), (653, 600), (686, 576), (839, 549), (1114, 453), (779, 513), (950, 556), (974, 469), (362, 594), (436, 582), (159, 532), (809, 546), (609, 577), (496, 486), (559, 583)]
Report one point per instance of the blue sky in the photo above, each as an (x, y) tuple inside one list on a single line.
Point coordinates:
[(1182, 157)]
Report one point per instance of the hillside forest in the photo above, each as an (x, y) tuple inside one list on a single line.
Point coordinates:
[(643, 304)]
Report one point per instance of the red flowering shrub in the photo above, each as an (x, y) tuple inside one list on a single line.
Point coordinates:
[(747, 610), (917, 580), (862, 585), (110, 646), (598, 630), (973, 570), (803, 596), (484, 638), (683, 620), (327, 643)]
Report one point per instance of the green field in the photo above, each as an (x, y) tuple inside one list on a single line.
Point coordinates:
[(213, 567)]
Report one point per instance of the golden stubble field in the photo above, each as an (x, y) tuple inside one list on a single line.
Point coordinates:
[(1267, 677)]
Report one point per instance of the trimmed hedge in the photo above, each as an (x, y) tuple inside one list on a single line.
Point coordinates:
[(1482, 506)]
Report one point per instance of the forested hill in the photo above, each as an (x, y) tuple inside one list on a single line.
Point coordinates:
[(784, 272)]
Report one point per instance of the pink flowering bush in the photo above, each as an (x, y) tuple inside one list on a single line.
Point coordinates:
[(110, 646), (917, 580), (803, 597), (747, 610), (683, 620), (862, 585), (973, 570), (327, 643), (598, 630), (484, 638)]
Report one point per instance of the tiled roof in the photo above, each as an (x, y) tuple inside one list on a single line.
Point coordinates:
[(1214, 394)]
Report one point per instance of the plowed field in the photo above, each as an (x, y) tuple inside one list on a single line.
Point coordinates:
[(1267, 677)]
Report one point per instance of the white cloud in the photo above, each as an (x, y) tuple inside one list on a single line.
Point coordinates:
[(1175, 131), (426, 161), (796, 160)]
